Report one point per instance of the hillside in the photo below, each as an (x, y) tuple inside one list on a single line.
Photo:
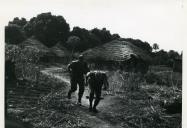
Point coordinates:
[(115, 51)]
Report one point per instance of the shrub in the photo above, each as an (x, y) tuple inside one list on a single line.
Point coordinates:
[(25, 60), (14, 34), (152, 78)]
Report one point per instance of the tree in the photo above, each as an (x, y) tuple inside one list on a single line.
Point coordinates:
[(173, 54), (20, 22), (73, 42), (104, 35), (87, 39), (161, 58), (48, 28), (143, 45), (14, 34), (155, 46), (115, 36)]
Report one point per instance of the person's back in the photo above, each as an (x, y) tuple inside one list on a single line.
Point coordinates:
[(95, 80), (78, 68)]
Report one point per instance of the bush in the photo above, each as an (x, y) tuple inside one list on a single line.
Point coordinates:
[(25, 60), (152, 78), (14, 34)]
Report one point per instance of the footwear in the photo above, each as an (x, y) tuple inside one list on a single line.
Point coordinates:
[(95, 110)]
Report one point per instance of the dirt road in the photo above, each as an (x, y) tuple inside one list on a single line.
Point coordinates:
[(104, 118)]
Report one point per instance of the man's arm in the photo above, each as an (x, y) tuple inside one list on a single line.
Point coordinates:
[(69, 67), (87, 79), (105, 82)]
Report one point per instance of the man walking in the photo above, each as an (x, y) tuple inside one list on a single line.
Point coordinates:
[(77, 70), (96, 81)]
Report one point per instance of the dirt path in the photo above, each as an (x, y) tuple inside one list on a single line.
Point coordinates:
[(103, 119)]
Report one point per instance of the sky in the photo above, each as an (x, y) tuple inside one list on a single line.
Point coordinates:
[(156, 21)]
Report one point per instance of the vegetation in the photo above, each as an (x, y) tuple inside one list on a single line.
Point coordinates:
[(152, 99), (48, 28), (155, 46), (89, 39), (143, 45), (167, 58), (14, 34), (139, 104), (20, 22)]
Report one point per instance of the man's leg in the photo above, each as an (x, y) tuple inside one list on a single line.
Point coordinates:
[(73, 87), (97, 99), (91, 97), (81, 90)]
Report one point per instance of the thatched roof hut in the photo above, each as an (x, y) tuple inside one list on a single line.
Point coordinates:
[(116, 52)]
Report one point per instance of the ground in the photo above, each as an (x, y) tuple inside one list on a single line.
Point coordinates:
[(129, 109), (95, 120)]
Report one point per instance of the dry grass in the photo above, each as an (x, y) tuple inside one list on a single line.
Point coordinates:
[(142, 103), (51, 110), (139, 104)]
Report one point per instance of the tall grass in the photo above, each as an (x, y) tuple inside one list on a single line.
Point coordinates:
[(121, 81)]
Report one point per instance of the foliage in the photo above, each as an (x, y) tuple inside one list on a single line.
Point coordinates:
[(20, 22), (104, 35), (152, 78), (73, 43), (167, 78), (87, 40), (166, 58), (90, 39), (48, 110), (143, 104), (48, 28), (26, 61), (155, 46), (143, 45), (14, 34), (173, 54)]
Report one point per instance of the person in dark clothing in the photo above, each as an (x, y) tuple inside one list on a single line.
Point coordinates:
[(77, 70), (96, 80)]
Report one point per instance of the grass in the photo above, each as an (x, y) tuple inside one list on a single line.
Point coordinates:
[(51, 110), (137, 105), (142, 102)]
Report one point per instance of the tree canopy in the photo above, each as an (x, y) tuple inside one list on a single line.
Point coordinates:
[(51, 29), (48, 28), (137, 42), (14, 34), (20, 22), (155, 46)]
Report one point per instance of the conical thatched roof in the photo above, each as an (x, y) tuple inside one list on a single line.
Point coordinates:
[(116, 51), (59, 50), (33, 43)]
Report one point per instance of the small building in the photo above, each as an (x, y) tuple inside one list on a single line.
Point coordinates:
[(119, 54)]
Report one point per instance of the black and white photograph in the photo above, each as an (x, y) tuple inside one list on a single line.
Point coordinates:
[(93, 63)]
